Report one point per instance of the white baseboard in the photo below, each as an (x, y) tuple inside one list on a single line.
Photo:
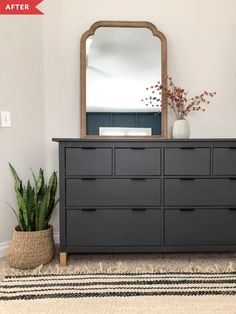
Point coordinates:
[(56, 236), (4, 245), (3, 248)]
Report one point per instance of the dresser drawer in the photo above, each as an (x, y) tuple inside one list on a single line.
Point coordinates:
[(113, 192), (200, 192), (113, 227), (224, 161), (137, 161), (200, 227), (88, 161), (187, 161)]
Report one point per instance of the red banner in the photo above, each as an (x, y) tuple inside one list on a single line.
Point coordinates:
[(20, 7)]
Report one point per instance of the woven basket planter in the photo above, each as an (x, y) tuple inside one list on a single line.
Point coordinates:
[(30, 249)]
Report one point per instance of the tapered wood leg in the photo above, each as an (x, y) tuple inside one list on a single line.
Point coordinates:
[(63, 258)]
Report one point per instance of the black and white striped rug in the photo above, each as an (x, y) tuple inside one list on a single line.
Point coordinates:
[(64, 286)]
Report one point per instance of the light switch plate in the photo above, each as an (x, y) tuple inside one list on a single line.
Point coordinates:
[(5, 119)]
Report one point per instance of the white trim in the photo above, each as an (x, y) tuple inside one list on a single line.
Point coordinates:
[(4, 245), (3, 248), (56, 236)]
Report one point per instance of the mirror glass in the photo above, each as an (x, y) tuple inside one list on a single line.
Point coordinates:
[(121, 62)]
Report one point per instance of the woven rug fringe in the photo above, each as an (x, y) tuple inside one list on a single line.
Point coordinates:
[(121, 267)]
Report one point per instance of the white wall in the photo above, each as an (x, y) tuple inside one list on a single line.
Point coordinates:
[(201, 55), (21, 92)]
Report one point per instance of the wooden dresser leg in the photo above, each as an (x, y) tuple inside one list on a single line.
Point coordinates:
[(63, 258)]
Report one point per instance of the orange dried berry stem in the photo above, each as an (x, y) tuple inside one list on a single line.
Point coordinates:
[(177, 98)]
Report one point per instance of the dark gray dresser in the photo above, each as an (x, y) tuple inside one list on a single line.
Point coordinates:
[(147, 196)]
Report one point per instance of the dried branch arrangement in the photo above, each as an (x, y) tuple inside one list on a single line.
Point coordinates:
[(177, 99)]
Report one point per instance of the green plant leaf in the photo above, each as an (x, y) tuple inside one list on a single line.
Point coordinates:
[(35, 203), (23, 208), (18, 182), (53, 189), (31, 206), (51, 211), (43, 208), (40, 181), (17, 217)]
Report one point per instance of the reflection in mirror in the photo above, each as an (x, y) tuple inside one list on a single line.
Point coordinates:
[(120, 63)]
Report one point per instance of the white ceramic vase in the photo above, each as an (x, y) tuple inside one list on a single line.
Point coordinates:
[(181, 129)]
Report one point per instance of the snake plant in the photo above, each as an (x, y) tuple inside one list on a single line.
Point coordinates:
[(35, 202)]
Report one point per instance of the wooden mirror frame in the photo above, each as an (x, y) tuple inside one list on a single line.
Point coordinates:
[(83, 65)]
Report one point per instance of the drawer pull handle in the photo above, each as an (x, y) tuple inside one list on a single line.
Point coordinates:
[(232, 178), (88, 148), (187, 179), (187, 147), (91, 179), (232, 209), (187, 209), (232, 147), (138, 148), (138, 209), (88, 209), (138, 179)]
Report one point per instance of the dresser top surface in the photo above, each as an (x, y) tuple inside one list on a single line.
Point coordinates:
[(144, 140)]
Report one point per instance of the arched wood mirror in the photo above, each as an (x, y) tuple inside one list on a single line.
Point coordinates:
[(119, 60)]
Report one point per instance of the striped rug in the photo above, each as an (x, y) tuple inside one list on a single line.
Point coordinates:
[(104, 285)]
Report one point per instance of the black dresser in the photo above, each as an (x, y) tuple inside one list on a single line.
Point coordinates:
[(147, 196)]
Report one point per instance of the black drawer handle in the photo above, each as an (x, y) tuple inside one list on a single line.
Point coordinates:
[(91, 179), (138, 179), (187, 147), (232, 147), (187, 209), (88, 209), (139, 209), (138, 148), (232, 178), (188, 179), (232, 209), (88, 148)]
